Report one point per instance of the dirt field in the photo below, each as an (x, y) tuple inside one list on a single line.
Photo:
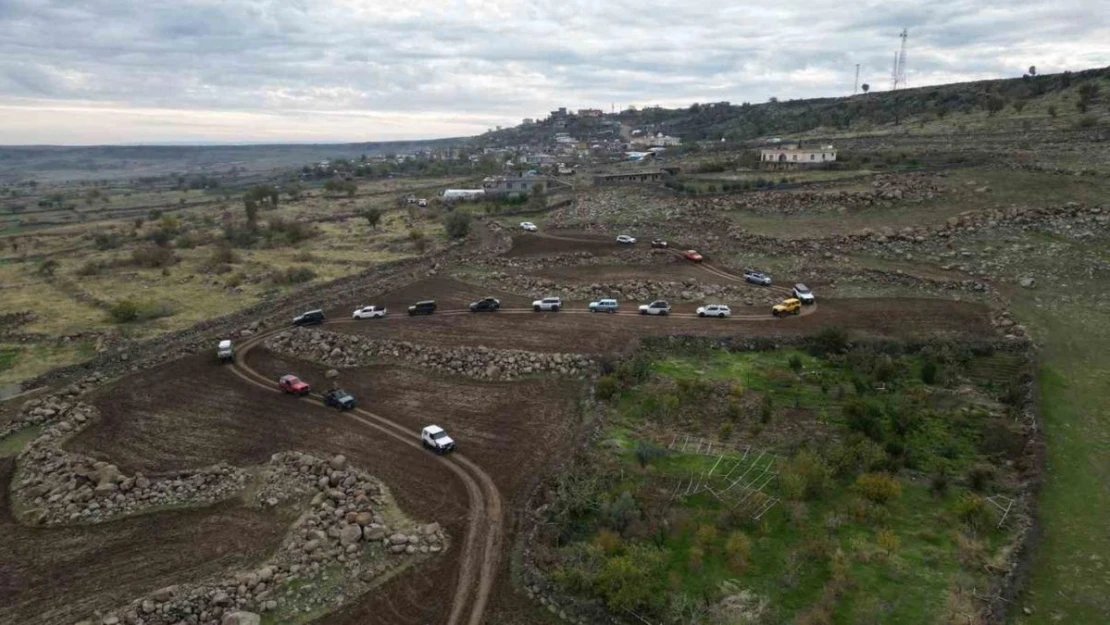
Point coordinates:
[(573, 330)]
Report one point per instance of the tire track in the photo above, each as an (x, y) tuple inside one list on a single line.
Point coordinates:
[(720, 273), (482, 545)]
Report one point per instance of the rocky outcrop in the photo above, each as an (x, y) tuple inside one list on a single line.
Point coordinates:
[(343, 533), (347, 350)]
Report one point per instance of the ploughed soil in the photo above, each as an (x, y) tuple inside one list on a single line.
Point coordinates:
[(194, 412)]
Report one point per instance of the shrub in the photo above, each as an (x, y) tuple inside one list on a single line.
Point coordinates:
[(608, 541), (737, 551), (864, 417), (830, 340), (972, 511), (92, 268), (129, 310), (696, 559), (419, 241), (796, 363), (706, 537), (725, 431), (766, 409), (607, 387), (878, 487), (887, 541), (153, 256), (929, 372), (108, 240), (280, 232), (980, 476), (1087, 121), (618, 513), (634, 581), (292, 275), (646, 453), (938, 484), (48, 268), (457, 224), (812, 472), (373, 216)]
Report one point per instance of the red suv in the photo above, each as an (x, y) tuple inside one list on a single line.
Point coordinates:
[(692, 255), (293, 385)]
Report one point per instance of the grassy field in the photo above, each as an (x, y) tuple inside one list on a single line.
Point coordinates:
[(1070, 575), (70, 276), (879, 504)]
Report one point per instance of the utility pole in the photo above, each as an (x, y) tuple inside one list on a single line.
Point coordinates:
[(855, 89)]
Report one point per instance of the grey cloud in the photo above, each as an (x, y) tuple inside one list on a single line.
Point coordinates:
[(502, 59)]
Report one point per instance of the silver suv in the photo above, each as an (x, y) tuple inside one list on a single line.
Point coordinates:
[(756, 277), (604, 305)]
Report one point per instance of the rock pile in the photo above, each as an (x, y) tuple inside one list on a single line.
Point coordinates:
[(48, 409), (343, 533), (634, 290), (55, 487), (348, 350)]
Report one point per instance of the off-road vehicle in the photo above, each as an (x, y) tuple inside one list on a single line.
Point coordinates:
[(224, 351), (791, 306), (436, 439), (293, 385), (339, 398)]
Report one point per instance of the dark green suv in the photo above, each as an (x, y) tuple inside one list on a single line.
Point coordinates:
[(425, 307)]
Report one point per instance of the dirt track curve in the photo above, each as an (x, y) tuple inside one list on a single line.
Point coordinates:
[(482, 545)]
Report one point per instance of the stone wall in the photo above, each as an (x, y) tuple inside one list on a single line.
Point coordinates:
[(348, 350), (343, 533)]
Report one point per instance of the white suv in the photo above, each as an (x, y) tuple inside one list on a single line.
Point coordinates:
[(626, 239), (548, 303), (804, 294), (658, 307), (368, 312), (714, 310), (529, 226), (436, 439)]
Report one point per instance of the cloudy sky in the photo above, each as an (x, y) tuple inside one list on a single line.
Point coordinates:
[(149, 71)]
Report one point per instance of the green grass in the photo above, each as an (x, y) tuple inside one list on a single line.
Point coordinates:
[(12, 445), (815, 543), (1070, 576)]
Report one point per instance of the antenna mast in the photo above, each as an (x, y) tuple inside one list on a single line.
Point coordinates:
[(898, 73)]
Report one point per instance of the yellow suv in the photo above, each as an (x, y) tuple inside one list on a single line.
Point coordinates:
[(792, 306)]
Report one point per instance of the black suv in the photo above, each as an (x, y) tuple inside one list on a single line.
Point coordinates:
[(425, 307), (310, 318), (339, 398), (488, 304)]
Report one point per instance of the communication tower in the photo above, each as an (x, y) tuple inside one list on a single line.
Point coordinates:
[(898, 72)]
